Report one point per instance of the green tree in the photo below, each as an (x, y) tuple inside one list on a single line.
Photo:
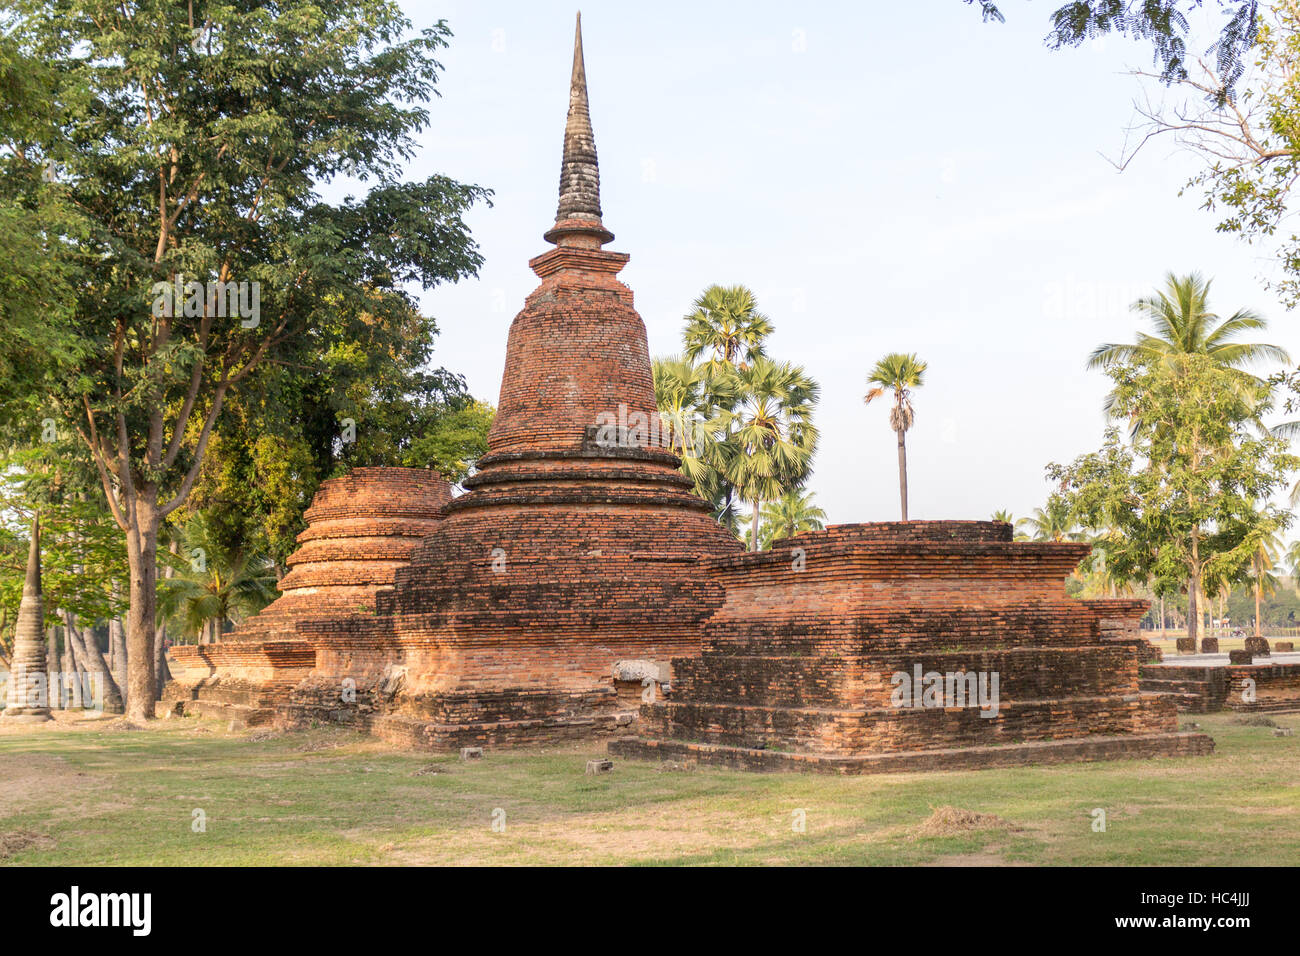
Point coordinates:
[(1183, 325), (725, 384), (1248, 141), (901, 374), (186, 153), (1003, 515), (1179, 502), (215, 584), (693, 421), (725, 328), (1163, 24), (1291, 560), (791, 514), (772, 437), (1051, 523), (1263, 561)]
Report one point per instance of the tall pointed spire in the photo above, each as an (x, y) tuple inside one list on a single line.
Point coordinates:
[(577, 219), (28, 696)]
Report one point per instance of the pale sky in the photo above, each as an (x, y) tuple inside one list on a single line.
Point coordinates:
[(886, 177)]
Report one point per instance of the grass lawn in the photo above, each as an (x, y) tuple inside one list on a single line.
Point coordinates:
[(91, 793)]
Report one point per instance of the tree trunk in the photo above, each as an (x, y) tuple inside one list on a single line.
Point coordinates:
[(118, 657), (142, 558), (1257, 590), (161, 672), (902, 470), (69, 669), (53, 682), (753, 529), (1163, 626), (1193, 610), (92, 660)]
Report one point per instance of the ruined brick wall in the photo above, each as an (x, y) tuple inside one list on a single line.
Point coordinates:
[(801, 656)]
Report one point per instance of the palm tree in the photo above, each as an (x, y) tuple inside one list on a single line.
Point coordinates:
[(1052, 523), (725, 326), (690, 418), (1003, 515), (1184, 325), (899, 373), (791, 514), (1291, 560), (772, 439), (1262, 563), (222, 584)]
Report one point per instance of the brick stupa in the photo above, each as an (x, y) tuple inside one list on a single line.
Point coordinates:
[(580, 571), (27, 696), (360, 529)]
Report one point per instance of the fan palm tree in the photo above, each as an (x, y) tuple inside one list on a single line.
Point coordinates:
[(222, 584), (725, 327), (791, 514), (771, 433), (900, 373), (690, 419)]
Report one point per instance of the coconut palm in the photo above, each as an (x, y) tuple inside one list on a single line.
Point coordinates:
[(1184, 325), (898, 373), (219, 584), (771, 435), (1262, 564), (791, 514), (1052, 523), (1291, 561), (1003, 515), (726, 328)]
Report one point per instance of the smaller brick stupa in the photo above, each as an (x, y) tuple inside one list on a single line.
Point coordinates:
[(361, 528), (28, 699)]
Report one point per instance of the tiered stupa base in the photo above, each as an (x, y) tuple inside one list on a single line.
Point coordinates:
[(801, 667), (361, 528)]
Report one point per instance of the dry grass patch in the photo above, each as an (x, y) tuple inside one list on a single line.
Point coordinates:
[(952, 821)]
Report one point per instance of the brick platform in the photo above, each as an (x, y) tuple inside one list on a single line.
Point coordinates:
[(799, 664), (1206, 686)]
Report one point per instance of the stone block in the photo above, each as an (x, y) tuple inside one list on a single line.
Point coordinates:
[(1258, 646)]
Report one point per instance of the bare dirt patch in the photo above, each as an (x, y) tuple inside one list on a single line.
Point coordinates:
[(15, 841)]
